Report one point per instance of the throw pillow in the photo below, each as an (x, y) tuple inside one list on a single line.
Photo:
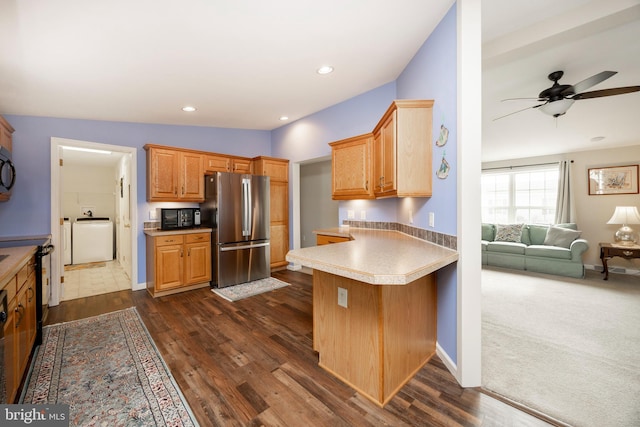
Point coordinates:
[(563, 237), (509, 233)]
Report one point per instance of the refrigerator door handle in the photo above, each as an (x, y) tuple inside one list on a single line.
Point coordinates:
[(246, 206), (236, 248)]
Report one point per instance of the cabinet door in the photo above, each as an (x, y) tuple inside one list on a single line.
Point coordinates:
[(6, 132), (22, 332), (279, 244), (278, 170), (214, 163), (163, 172), (192, 177), (31, 311), (198, 263), (279, 231), (169, 266), (241, 165), (10, 348), (351, 168), (386, 157)]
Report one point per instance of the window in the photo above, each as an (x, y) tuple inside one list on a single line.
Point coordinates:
[(520, 195)]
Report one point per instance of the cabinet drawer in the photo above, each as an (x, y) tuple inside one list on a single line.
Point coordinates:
[(27, 270), (169, 240), (323, 239), (199, 237)]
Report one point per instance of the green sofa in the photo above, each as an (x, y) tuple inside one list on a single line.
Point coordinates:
[(555, 249)]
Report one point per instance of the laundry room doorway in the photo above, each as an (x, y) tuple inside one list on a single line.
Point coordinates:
[(93, 219)]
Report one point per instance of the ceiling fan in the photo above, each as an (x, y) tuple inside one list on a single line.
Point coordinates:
[(557, 99)]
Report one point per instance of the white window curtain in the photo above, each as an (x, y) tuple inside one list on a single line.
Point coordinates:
[(565, 206)]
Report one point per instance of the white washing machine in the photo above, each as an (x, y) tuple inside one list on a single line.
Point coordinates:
[(66, 239), (92, 240)]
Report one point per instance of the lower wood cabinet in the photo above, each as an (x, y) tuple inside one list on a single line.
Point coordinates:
[(177, 262), (20, 327)]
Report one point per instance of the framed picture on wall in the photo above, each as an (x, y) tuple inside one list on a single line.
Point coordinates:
[(613, 180)]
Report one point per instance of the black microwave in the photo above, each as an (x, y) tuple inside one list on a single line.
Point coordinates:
[(7, 171), (172, 219)]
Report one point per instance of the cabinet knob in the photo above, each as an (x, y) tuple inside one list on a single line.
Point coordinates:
[(627, 253)]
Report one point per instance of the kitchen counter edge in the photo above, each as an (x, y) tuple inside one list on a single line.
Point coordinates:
[(155, 232), (321, 257)]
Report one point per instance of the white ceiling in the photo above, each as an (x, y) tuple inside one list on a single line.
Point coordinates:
[(522, 45), (244, 63)]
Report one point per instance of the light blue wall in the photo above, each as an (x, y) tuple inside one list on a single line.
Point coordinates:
[(28, 212), (431, 74)]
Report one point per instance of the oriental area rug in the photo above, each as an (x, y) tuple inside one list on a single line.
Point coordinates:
[(244, 290), (109, 371)]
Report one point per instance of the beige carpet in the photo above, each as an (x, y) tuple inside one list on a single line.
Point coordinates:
[(569, 348)]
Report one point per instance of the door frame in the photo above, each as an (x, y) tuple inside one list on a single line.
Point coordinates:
[(57, 258)]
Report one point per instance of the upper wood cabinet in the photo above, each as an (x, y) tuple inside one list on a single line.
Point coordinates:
[(241, 165), (278, 171), (402, 150), (223, 163), (351, 168), (6, 134), (217, 163), (392, 161), (174, 175)]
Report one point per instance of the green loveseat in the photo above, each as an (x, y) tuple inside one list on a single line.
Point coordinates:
[(555, 249)]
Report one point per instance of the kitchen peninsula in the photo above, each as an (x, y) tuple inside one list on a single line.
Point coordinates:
[(374, 306)]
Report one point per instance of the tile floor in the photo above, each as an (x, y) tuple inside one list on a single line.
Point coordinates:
[(80, 283)]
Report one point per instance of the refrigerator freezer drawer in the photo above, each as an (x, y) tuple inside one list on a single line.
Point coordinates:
[(242, 263)]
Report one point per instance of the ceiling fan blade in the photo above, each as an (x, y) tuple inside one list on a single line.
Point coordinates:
[(522, 99), (606, 92), (587, 83), (518, 111)]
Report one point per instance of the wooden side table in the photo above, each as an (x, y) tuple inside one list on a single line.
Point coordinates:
[(608, 251)]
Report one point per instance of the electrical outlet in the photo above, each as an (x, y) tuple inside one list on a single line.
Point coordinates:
[(351, 214), (432, 219), (363, 215), (342, 297), (410, 216)]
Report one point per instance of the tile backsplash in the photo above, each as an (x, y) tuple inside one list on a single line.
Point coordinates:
[(441, 239)]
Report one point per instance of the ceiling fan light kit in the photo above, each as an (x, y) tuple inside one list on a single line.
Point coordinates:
[(557, 108), (557, 99)]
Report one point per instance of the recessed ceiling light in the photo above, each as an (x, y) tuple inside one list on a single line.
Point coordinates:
[(325, 69), (283, 118), (189, 109)]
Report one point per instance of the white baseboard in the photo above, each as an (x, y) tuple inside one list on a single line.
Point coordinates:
[(450, 364), (139, 286), (619, 270)]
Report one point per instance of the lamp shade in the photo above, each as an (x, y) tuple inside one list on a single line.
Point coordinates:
[(625, 215)]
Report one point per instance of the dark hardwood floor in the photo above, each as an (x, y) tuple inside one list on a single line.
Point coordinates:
[(250, 363)]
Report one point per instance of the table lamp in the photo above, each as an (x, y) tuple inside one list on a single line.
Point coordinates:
[(625, 215)]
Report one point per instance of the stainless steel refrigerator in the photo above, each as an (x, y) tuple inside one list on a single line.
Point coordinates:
[(236, 206)]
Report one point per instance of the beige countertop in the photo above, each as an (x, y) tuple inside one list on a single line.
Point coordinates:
[(17, 256), (154, 232), (378, 257)]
